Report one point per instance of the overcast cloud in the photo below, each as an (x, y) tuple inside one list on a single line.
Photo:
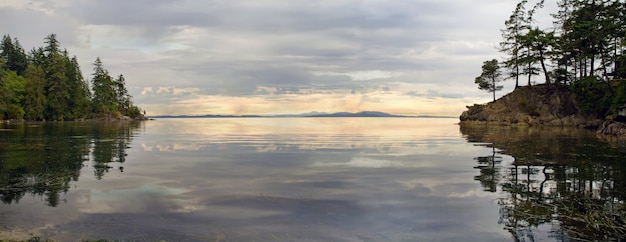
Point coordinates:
[(415, 57)]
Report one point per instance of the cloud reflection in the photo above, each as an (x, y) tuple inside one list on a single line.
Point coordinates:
[(330, 179)]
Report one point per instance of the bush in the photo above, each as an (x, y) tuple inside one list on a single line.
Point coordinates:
[(15, 112), (620, 96), (593, 96), (134, 112)]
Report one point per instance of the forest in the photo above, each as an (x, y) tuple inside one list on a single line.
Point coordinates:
[(47, 84), (582, 50)]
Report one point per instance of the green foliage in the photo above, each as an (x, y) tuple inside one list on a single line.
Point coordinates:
[(56, 88), (123, 98), (41, 161), (592, 96), (14, 111), (585, 50), (134, 112), (34, 98), (11, 95), (79, 103), (12, 52), (104, 97), (47, 84), (489, 77), (620, 96), (512, 44)]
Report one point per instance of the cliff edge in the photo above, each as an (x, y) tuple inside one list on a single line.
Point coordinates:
[(534, 105)]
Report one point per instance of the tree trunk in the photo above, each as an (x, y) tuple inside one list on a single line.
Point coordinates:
[(493, 83), (591, 69), (516, 76), (530, 73), (543, 66)]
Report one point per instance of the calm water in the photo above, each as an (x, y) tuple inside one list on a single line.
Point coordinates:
[(308, 179)]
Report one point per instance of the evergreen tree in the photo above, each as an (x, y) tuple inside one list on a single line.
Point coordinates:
[(516, 25), (34, 97), (37, 56), (563, 58), (489, 77), (57, 90), (123, 98), (541, 46), (79, 102), (48, 85), (12, 52), (584, 36), (586, 50), (104, 97)]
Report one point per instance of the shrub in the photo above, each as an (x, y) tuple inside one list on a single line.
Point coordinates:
[(592, 96)]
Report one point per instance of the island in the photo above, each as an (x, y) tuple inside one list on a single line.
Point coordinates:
[(359, 114), (363, 114), (580, 63)]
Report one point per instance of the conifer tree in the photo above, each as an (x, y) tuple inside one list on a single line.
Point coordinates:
[(34, 97), (123, 98), (50, 86), (79, 102), (516, 25), (489, 77), (57, 90), (14, 55), (104, 97)]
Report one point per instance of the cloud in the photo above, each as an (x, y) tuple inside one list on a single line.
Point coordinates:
[(275, 50)]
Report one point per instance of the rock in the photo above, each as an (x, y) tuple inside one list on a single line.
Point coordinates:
[(123, 117), (612, 128), (535, 105)]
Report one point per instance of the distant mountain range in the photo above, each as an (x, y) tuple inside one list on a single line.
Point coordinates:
[(359, 114), (364, 114)]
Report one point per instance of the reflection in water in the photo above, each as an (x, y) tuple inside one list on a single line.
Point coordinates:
[(318, 179), (283, 179), (562, 180), (43, 158), (489, 172)]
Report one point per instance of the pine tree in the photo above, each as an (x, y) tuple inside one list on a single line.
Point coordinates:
[(104, 97), (57, 90), (489, 77), (123, 98), (47, 84), (516, 25), (37, 56), (79, 102), (34, 97), (541, 47), (13, 53)]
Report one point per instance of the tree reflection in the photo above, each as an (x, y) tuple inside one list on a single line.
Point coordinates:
[(42, 159), (489, 172), (562, 180)]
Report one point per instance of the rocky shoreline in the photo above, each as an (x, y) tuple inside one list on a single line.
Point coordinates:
[(538, 105), (104, 118)]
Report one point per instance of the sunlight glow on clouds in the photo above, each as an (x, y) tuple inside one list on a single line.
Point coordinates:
[(277, 56)]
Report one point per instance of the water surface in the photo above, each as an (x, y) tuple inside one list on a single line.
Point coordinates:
[(286, 179)]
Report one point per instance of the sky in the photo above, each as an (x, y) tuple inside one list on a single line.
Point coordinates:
[(193, 57)]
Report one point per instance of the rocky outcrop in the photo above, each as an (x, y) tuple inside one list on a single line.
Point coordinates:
[(536, 105), (613, 128)]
